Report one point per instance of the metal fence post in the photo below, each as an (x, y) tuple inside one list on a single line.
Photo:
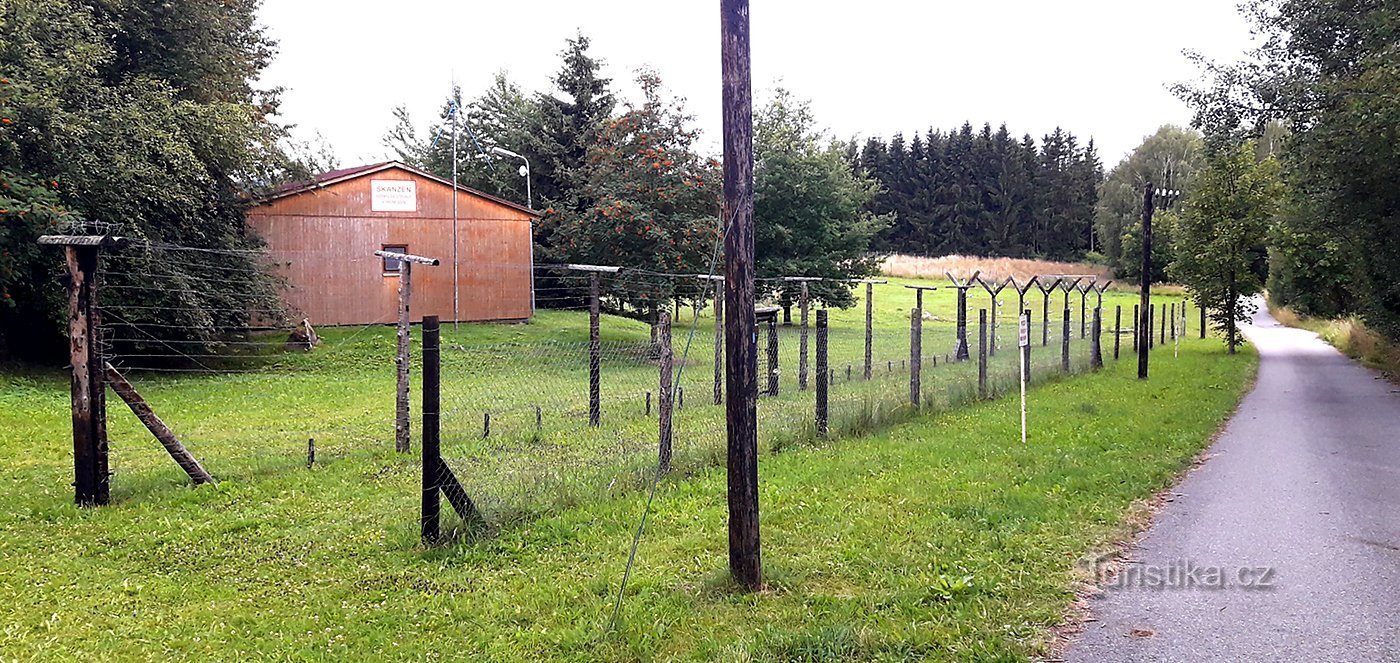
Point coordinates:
[(1096, 348), (916, 354), (595, 354), (1163, 339), (719, 345), (823, 376), (869, 328), (773, 356), (960, 352), (982, 353), (1149, 335), (664, 397), (805, 299), (1117, 330), (1064, 343), (430, 514)]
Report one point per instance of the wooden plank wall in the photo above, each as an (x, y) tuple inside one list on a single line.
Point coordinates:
[(324, 240)]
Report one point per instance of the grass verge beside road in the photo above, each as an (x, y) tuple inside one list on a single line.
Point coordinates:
[(1349, 335), (943, 537)]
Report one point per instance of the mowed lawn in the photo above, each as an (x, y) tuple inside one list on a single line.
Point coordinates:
[(940, 537)]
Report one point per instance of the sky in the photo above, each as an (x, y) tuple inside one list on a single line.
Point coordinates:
[(1099, 69)]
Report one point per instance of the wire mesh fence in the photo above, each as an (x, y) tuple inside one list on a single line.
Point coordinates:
[(536, 417), (517, 428)]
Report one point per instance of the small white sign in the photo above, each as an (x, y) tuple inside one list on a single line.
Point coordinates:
[(393, 196), (1025, 339)]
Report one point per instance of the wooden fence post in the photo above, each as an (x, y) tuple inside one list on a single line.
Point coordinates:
[(1117, 330), (869, 326), (1095, 347), (773, 368), (1137, 327), (916, 354), (431, 510), (595, 353), (719, 344), (1082, 318), (960, 352), (804, 300), (88, 393), (1163, 339), (403, 336), (402, 434), (982, 353), (1173, 316), (664, 399), (1064, 343), (1150, 331), (1203, 321), (823, 376), (1045, 318), (92, 479)]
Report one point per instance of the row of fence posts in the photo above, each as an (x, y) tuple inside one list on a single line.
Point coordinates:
[(438, 479)]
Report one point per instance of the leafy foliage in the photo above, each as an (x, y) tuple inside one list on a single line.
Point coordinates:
[(651, 199), (1330, 72), (139, 118), (810, 215), (1118, 214), (1221, 235)]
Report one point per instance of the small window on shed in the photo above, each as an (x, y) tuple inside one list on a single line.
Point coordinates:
[(394, 266)]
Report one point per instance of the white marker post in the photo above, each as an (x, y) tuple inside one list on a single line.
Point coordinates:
[(1176, 335), (1023, 343)]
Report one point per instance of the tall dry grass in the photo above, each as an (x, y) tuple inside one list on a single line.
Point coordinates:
[(997, 269), (1351, 336)]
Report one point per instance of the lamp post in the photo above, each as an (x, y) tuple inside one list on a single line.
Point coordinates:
[(524, 171)]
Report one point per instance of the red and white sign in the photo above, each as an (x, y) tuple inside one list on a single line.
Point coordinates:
[(393, 196)]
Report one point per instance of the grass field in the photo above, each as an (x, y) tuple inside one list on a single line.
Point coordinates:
[(936, 536)]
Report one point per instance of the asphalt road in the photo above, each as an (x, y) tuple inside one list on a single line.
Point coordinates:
[(1297, 509)]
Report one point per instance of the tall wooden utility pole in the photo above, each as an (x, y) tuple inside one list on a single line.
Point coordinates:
[(1146, 295), (741, 375)]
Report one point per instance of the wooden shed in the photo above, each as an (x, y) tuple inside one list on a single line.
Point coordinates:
[(322, 234)]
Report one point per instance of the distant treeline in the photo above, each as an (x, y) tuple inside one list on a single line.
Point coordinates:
[(985, 193)]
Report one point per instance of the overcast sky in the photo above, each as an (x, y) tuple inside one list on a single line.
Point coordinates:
[(1098, 68)]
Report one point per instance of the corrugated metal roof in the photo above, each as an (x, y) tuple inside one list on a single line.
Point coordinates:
[(342, 174)]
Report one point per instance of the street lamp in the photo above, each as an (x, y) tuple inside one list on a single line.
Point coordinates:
[(524, 171)]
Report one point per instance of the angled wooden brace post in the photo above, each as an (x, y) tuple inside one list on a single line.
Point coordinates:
[(153, 423), (406, 262)]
